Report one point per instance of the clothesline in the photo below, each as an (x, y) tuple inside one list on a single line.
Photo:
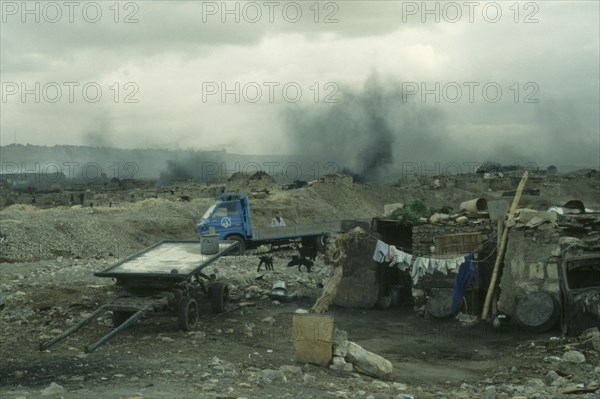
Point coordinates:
[(420, 265)]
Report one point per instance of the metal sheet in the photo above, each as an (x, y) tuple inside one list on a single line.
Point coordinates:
[(299, 230), (164, 258)]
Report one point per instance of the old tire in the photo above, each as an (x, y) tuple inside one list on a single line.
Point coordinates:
[(119, 317), (219, 297), (241, 245), (537, 312), (188, 314), (439, 303)]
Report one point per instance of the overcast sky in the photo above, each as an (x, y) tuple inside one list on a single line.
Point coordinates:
[(161, 76)]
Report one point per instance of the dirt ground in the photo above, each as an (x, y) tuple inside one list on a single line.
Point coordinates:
[(221, 359), (47, 285)]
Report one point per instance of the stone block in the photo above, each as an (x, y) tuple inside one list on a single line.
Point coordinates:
[(367, 362)]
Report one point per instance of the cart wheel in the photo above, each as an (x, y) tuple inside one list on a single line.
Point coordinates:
[(219, 297), (119, 317), (188, 313)]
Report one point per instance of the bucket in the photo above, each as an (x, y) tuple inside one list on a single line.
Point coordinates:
[(474, 205), (395, 291), (209, 244)]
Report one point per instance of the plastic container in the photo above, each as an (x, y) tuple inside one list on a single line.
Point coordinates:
[(209, 244), (395, 292)]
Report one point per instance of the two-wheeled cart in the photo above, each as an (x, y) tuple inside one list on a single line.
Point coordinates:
[(164, 277)]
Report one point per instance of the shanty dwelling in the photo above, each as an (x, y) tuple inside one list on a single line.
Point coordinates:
[(552, 271), (399, 283), (448, 243)]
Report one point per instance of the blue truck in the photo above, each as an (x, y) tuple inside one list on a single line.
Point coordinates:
[(231, 220)]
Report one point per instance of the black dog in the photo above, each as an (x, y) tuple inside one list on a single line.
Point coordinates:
[(296, 261), (308, 252), (267, 260)]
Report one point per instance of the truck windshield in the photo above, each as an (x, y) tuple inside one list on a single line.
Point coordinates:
[(208, 212)]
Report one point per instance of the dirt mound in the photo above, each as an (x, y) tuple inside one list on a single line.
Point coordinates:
[(22, 207)]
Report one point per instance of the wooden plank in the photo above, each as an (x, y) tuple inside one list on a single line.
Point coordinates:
[(511, 215)]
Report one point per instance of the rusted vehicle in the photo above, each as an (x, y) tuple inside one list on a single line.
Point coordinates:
[(580, 292)]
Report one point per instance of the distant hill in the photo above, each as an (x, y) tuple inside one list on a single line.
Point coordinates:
[(87, 162)]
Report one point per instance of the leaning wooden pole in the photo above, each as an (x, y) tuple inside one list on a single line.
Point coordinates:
[(502, 247)]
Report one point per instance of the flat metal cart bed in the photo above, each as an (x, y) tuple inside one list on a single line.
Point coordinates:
[(166, 276)]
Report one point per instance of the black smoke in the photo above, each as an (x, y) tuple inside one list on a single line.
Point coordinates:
[(364, 130), (205, 167)]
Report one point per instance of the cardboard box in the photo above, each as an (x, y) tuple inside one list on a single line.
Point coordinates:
[(313, 334)]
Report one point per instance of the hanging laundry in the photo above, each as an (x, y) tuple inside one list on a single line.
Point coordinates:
[(407, 260), (466, 278), (454, 263), (419, 268), (381, 250), (392, 255), (442, 267), (433, 265)]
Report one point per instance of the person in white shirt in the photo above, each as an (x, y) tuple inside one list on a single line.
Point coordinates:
[(277, 220)]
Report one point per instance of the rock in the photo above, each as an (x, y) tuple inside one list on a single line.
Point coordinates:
[(490, 392), (367, 362), (379, 385), (559, 382), (263, 249), (462, 219), (435, 218), (552, 375), (269, 320), (339, 364), (53, 389), (340, 342), (167, 339), (573, 357), (399, 386), (301, 311), (291, 370), (592, 334), (269, 376), (536, 383), (309, 379)]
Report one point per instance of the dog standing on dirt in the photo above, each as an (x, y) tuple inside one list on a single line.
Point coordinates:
[(267, 261), (308, 252), (298, 261)]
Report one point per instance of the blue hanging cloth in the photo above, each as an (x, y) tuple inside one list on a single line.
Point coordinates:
[(466, 277)]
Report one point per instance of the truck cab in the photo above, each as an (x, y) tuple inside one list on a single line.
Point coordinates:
[(230, 218)]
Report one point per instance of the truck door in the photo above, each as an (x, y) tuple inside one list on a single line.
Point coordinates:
[(228, 216)]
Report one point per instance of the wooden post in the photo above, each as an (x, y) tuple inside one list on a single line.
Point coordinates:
[(500, 254)]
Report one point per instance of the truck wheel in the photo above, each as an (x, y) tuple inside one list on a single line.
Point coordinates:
[(119, 317), (219, 297), (188, 313), (322, 241), (241, 245)]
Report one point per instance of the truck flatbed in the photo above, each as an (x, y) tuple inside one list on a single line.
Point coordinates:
[(166, 276), (166, 260), (295, 231)]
